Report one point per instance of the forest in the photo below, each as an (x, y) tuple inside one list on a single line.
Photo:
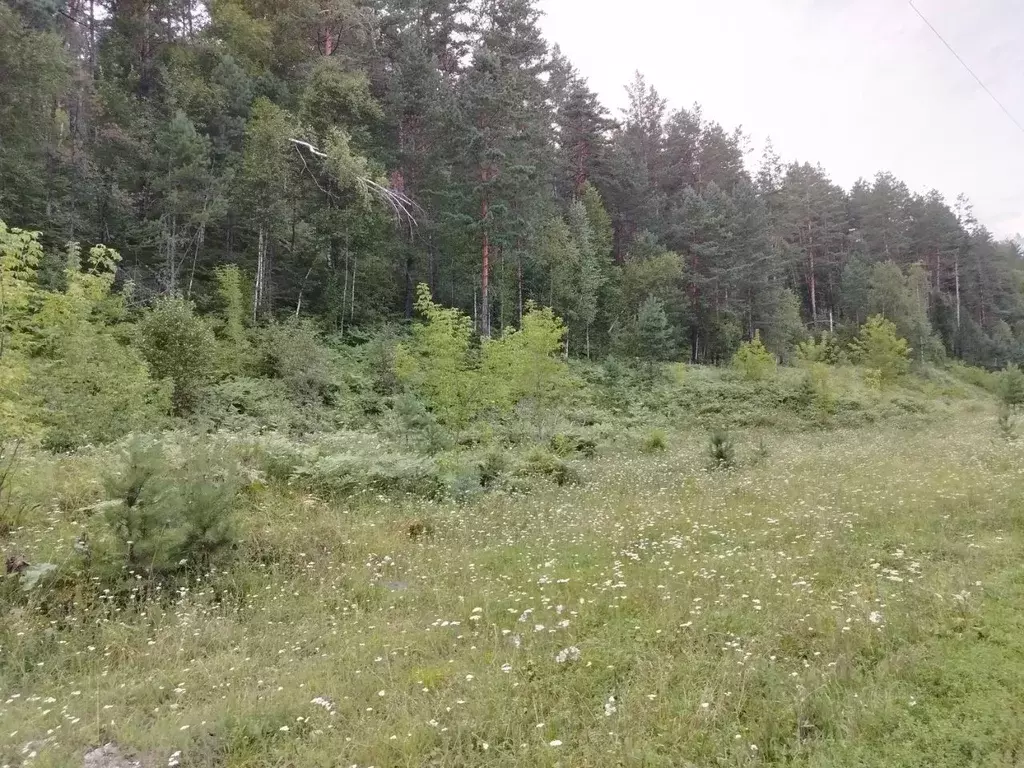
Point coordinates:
[(371, 395), (342, 152)]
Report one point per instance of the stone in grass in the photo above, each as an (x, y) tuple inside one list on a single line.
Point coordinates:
[(109, 756)]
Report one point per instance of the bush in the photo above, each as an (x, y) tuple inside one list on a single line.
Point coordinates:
[(11, 512), (540, 462), (242, 403), (235, 349), (565, 445), (1011, 387), (96, 392), (294, 352), (1006, 424), (753, 360), (179, 347), (817, 390), (827, 350), (492, 466), (655, 441), (879, 348), (170, 521), (346, 474), (721, 451)]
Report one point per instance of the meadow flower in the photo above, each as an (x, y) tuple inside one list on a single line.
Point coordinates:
[(572, 653)]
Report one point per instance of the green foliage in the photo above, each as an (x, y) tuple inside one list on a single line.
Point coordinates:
[(294, 353), (170, 520), (655, 441), (543, 463), (1006, 424), (648, 339), (785, 328), (524, 369), (753, 360), (87, 386), (12, 510), (492, 466), (819, 391), (879, 348), (1011, 387), (437, 363), (97, 390), (20, 254), (235, 348), (826, 350), (721, 451), (180, 347), (346, 474)]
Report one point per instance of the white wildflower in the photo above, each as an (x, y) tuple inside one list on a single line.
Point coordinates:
[(572, 653)]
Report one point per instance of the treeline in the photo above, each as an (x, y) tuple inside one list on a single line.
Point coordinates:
[(340, 152)]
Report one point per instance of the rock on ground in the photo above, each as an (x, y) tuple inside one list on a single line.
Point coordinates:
[(109, 756)]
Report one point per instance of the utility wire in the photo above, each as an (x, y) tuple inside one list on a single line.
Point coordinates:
[(965, 66)]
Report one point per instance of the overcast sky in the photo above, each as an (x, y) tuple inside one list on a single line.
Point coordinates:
[(858, 85)]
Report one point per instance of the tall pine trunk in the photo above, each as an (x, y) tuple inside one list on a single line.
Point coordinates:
[(485, 267)]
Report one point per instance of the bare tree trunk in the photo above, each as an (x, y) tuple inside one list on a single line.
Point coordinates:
[(352, 304), (344, 295), (172, 255), (956, 277), (519, 278), (485, 276), (814, 290), (200, 239), (261, 265), (302, 289)]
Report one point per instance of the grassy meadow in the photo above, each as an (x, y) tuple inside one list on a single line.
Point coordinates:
[(842, 597)]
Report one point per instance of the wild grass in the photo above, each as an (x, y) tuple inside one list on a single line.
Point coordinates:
[(852, 598)]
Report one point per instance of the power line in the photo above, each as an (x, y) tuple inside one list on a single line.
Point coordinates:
[(965, 66)]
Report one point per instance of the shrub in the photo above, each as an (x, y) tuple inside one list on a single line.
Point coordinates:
[(492, 466), (753, 360), (436, 363), (524, 369), (1006, 424), (544, 463), (761, 452), (655, 441), (11, 512), (817, 390), (879, 348), (242, 403), (565, 445), (826, 350), (721, 451), (180, 347), (294, 352), (346, 474), (1011, 387), (235, 348), (170, 521), (96, 392)]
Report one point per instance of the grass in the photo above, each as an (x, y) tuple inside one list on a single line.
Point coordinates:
[(843, 598)]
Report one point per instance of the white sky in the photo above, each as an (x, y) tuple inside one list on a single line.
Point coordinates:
[(858, 85)]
